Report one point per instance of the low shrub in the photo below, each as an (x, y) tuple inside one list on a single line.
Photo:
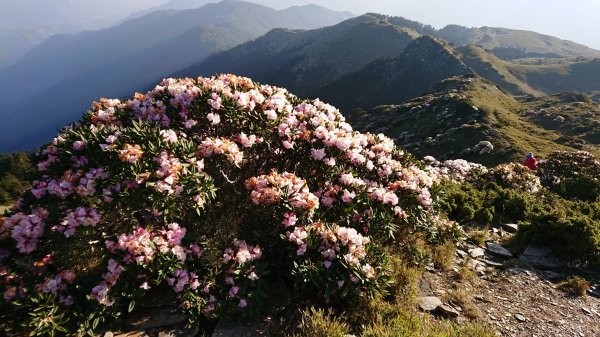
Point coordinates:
[(576, 286)]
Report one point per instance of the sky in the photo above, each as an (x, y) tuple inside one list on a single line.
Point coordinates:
[(575, 20)]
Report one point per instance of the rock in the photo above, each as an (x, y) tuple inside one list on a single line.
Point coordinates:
[(108, 334), (448, 311), (510, 227), (538, 256), (156, 317), (552, 275), (520, 318), (516, 270), (498, 250), (180, 330), (537, 250), (158, 297), (478, 297), (542, 262), (493, 263), (476, 252), (424, 288), (232, 329), (429, 303), (461, 253), (460, 320), (594, 292), (586, 310)]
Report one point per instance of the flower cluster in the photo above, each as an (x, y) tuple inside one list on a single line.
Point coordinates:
[(57, 285), (141, 245), (101, 292), (80, 217), (222, 146), (517, 177), (339, 255), (25, 229), (454, 170), (276, 187), (242, 272)]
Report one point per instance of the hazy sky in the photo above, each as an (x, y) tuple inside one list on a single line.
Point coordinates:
[(576, 20)]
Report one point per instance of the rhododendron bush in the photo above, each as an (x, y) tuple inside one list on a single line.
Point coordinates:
[(205, 186), (573, 175)]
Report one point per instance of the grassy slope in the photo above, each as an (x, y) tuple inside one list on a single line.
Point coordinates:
[(460, 113), (494, 69)]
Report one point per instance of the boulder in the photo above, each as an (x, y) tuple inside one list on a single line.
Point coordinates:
[(510, 227), (429, 303), (498, 250), (476, 252)]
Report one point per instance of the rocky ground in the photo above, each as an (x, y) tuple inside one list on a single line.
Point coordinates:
[(517, 295)]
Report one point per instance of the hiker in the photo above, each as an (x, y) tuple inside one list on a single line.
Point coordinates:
[(530, 162)]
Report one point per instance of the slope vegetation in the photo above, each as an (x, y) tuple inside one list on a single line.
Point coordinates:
[(472, 118)]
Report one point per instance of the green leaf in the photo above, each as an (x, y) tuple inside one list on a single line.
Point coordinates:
[(131, 306)]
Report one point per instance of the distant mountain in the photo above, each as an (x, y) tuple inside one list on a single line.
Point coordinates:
[(76, 14), (512, 43), (58, 79), (25, 23), (472, 118), (423, 63), (304, 61), (170, 5)]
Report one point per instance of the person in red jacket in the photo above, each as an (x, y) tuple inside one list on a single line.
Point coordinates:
[(530, 162)]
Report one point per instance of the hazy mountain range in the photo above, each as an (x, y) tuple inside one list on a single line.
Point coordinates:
[(352, 62), (59, 78), (25, 23)]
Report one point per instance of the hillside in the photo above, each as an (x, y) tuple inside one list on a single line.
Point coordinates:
[(501, 72), (335, 62), (470, 117), (110, 62), (306, 60), (512, 43), (423, 63)]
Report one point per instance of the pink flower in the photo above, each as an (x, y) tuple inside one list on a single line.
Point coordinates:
[(169, 136), (327, 264), (78, 145), (10, 293), (347, 196), (289, 219), (215, 101), (190, 123), (243, 303), (329, 161), (214, 118), (317, 154), (233, 291), (271, 114)]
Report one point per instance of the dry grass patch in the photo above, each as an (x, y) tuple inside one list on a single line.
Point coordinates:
[(576, 286)]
